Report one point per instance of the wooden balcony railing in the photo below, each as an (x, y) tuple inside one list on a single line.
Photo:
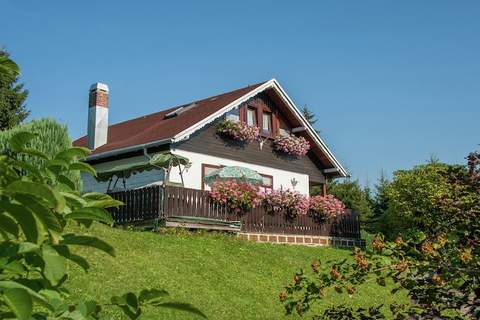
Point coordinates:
[(164, 202)]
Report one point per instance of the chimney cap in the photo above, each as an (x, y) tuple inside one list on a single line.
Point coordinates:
[(99, 86)]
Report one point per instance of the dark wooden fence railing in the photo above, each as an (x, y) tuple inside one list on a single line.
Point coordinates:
[(140, 205), (157, 202)]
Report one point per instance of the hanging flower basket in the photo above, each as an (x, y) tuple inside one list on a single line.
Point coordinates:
[(293, 145), (327, 207), (239, 131), (290, 203)]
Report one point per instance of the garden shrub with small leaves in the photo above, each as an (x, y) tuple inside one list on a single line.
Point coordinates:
[(439, 267), (36, 204)]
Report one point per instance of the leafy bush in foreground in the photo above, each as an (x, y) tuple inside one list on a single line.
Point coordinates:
[(439, 268), (36, 204)]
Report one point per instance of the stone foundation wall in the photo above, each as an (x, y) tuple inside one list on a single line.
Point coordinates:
[(307, 240)]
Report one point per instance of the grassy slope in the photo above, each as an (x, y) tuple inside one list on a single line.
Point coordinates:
[(224, 277)]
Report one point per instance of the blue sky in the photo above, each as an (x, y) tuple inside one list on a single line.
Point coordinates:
[(392, 82)]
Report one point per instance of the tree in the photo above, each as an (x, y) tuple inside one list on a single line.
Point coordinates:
[(438, 268), (37, 204), (12, 94), (351, 193), (51, 137), (309, 115)]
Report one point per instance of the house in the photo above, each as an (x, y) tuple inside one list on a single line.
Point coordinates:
[(190, 131)]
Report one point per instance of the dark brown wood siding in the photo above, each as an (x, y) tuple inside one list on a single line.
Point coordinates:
[(207, 141)]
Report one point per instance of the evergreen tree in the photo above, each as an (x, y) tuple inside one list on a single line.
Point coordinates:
[(309, 115), (12, 94)]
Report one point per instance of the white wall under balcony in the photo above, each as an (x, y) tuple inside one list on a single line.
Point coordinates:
[(193, 176)]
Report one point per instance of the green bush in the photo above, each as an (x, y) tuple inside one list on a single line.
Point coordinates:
[(36, 204), (51, 138)]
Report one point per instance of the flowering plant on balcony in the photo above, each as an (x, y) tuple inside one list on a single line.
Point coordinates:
[(291, 203), (326, 207), (238, 130), (239, 198), (297, 146)]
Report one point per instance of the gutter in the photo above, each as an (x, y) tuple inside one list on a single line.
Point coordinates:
[(128, 149)]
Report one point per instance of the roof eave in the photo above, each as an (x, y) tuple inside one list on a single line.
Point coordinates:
[(114, 152)]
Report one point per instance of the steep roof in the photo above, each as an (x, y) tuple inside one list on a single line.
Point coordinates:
[(178, 123), (158, 126)]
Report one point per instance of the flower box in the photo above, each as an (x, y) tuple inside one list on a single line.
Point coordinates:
[(293, 145), (239, 131), (327, 207)]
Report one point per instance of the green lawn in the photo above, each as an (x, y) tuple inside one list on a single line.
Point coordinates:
[(224, 277)]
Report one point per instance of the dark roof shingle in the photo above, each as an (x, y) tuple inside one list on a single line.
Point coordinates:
[(155, 126)]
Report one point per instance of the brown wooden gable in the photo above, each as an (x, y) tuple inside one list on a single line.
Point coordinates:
[(207, 141)]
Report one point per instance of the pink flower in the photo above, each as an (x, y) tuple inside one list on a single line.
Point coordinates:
[(238, 130), (293, 145), (238, 197), (326, 207)]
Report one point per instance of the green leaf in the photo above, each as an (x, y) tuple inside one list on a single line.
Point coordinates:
[(73, 198), (105, 203), (20, 302), (20, 139), (64, 251), (43, 213), (25, 247), (181, 307), (92, 213), (36, 297), (82, 166), (7, 224), (55, 265), (151, 295), (25, 219), (38, 190), (88, 241), (72, 153)]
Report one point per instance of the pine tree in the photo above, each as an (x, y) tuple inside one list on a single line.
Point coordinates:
[(12, 94), (309, 115)]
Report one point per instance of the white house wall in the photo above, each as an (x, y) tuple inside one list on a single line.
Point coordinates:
[(141, 179), (193, 176)]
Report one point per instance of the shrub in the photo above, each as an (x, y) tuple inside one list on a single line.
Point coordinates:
[(238, 130), (291, 203), (50, 138), (36, 205), (239, 198), (437, 267), (297, 146), (326, 207)]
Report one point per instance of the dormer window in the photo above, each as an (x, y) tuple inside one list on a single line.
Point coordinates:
[(251, 117)]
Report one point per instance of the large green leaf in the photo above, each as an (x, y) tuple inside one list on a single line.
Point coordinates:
[(25, 219), (92, 213), (150, 295), (20, 139), (82, 166), (42, 212), (181, 307), (7, 224), (20, 302), (64, 251), (38, 190), (81, 240), (73, 153), (36, 297), (55, 265)]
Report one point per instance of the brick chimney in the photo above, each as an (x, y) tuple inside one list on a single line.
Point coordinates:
[(97, 116)]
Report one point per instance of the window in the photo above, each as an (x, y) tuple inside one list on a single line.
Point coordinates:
[(206, 169), (251, 117), (267, 182), (267, 122)]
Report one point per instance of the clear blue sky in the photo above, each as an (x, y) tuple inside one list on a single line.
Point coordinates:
[(391, 82)]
